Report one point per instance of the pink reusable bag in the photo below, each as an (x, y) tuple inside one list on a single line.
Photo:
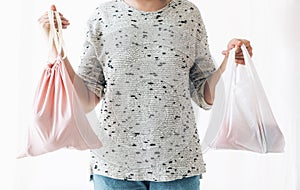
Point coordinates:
[(242, 118), (59, 120)]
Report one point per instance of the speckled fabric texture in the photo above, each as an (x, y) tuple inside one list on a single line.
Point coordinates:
[(147, 67)]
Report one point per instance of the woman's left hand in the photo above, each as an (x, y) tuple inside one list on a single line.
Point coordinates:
[(237, 43)]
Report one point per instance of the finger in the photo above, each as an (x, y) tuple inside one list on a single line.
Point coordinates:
[(65, 23), (250, 50), (239, 57), (246, 42), (43, 17), (248, 47), (237, 43), (53, 7), (250, 53), (64, 20), (231, 44), (240, 61), (225, 52), (238, 51), (45, 24)]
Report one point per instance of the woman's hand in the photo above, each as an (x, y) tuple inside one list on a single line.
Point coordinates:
[(239, 57), (45, 24), (237, 43)]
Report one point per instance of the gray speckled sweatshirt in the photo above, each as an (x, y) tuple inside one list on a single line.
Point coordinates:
[(147, 67)]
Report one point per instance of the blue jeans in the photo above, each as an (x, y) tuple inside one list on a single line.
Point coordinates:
[(107, 183)]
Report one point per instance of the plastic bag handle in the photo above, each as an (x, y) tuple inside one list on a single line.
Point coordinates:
[(249, 64), (246, 54), (247, 60), (55, 35)]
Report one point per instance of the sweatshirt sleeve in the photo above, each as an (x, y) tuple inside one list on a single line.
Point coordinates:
[(203, 66), (90, 69)]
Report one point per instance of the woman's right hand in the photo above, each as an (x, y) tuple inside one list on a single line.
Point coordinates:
[(45, 24)]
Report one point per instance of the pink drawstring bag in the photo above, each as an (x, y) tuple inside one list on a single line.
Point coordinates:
[(59, 120), (241, 117)]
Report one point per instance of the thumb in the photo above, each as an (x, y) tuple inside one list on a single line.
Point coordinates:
[(53, 7), (225, 52)]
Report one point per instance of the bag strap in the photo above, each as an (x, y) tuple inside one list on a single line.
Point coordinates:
[(55, 34), (233, 65), (246, 54), (249, 62)]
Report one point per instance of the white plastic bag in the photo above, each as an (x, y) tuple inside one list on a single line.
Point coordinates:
[(242, 118)]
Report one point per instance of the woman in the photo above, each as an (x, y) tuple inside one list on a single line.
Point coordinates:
[(145, 60)]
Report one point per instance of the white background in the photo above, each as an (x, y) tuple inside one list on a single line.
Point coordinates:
[(273, 28)]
